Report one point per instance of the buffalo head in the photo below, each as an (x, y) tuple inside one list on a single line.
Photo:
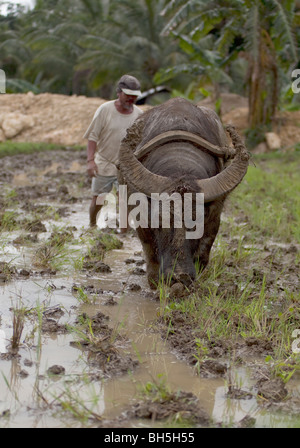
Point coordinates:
[(181, 150)]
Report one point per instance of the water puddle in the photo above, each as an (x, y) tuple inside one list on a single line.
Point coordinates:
[(25, 383), (30, 397)]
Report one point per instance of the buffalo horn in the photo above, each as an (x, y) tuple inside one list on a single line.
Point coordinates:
[(213, 188), (224, 182)]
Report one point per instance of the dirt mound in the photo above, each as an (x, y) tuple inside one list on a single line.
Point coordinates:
[(234, 110), (229, 101), (285, 125), (288, 128), (61, 119), (49, 118)]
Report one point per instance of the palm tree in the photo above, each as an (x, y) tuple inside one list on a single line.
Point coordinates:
[(51, 31), (261, 30), (129, 41), (206, 67), (15, 55)]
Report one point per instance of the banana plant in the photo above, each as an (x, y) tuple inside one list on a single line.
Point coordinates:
[(262, 32)]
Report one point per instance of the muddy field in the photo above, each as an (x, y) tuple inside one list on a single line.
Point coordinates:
[(85, 342)]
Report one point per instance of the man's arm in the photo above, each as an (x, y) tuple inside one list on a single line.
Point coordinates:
[(91, 165)]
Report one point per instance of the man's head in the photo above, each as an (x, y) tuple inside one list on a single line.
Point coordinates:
[(128, 90), (129, 85)]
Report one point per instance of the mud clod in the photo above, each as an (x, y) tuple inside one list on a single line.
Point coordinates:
[(96, 266), (134, 287), (178, 290), (35, 226), (212, 368), (51, 326), (138, 271), (184, 404), (24, 272), (272, 390), (56, 370), (246, 422)]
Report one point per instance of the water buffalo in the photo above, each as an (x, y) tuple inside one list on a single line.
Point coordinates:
[(178, 147)]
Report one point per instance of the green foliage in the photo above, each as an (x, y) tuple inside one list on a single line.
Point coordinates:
[(84, 46), (10, 148), (255, 136), (157, 390), (261, 32), (268, 197)]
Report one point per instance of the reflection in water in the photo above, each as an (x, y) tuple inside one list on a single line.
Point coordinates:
[(32, 398), (229, 411), (3, 342)]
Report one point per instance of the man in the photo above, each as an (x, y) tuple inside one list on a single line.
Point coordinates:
[(105, 133)]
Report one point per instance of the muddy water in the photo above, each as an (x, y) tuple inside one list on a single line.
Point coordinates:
[(134, 313), (30, 397)]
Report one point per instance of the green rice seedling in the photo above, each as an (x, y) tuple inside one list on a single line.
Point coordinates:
[(78, 263), (9, 197), (163, 288), (8, 221), (175, 408), (82, 296), (53, 256), (7, 269), (87, 336), (36, 314), (201, 350), (84, 331), (45, 255), (108, 241), (284, 368), (59, 237), (111, 242), (99, 243), (256, 311), (10, 388), (157, 389), (81, 403), (241, 253), (19, 314)]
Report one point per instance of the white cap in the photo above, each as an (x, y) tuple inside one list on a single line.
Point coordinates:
[(132, 92), (129, 85)]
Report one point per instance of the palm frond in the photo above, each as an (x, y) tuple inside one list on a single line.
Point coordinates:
[(20, 86), (182, 15), (167, 74), (13, 49), (283, 25), (252, 25)]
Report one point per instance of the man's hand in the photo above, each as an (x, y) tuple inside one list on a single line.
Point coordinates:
[(92, 168)]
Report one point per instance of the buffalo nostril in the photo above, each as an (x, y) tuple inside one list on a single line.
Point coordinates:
[(184, 278)]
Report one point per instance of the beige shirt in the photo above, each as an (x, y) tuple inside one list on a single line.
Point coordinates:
[(107, 129)]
